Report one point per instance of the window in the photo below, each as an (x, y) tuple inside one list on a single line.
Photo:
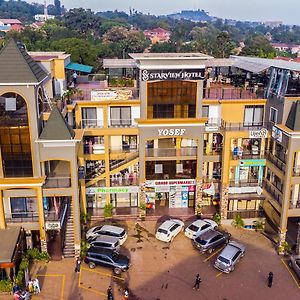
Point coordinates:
[(205, 111), (253, 115), (236, 255), (174, 227), (120, 116), (89, 117), (163, 111), (205, 226), (23, 207), (273, 115), (192, 111)]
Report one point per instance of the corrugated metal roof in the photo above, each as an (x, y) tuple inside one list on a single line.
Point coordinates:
[(119, 63), (17, 66)]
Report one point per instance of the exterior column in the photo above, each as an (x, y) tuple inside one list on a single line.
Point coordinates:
[(224, 201), (282, 235), (199, 98), (2, 214), (142, 199), (142, 155), (199, 202), (39, 197), (295, 194), (298, 241), (107, 169)]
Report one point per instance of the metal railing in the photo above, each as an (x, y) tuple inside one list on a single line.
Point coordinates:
[(53, 216), (91, 123), (244, 183), (22, 217), (233, 93), (57, 182), (122, 123), (214, 122), (246, 155), (244, 126), (170, 152), (272, 191), (245, 214), (275, 161)]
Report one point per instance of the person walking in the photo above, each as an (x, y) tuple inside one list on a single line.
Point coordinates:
[(110, 295), (77, 265), (270, 279), (74, 77), (197, 282)]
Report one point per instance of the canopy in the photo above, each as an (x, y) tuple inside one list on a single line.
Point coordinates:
[(79, 67)]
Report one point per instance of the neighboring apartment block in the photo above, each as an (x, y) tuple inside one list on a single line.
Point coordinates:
[(176, 134)]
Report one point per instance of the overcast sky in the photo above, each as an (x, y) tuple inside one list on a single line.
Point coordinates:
[(253, 10)]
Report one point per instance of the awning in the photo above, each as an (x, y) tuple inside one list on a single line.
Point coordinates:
[(9, 238), (79, 67)]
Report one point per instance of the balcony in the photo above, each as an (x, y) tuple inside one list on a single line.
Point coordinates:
[(246, 214), (57, 182), (247, 155), (22, 217), (245, 183), (244, 126), (232, 93), (275, 161), (171, 152), (91, 123), (273, 191), (116, 123)]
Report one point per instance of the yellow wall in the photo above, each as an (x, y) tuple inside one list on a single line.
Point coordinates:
[(59, 69), (233, 113)]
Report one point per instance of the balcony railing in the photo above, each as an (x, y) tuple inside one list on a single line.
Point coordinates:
[(244, 126), (124, 148), (122, 123), (170, 152), (57, 182), (244, 183), (121, 181), (233, 93), (275, 161), (273, 191), (91, 123), (22, 217), (245, 214), (247, 155)]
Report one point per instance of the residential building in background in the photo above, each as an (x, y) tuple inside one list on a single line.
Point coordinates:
[(157, 35)]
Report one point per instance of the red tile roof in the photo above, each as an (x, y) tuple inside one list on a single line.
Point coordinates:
[(10, 21)]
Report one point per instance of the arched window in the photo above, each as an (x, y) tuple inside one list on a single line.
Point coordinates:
[(15, 136)]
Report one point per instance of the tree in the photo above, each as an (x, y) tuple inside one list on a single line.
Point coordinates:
[(258, 45), (225, 45), (167, 47)]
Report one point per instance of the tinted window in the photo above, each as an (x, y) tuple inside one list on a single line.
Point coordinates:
[(236, 255), (193, 228), (201, 242), (99, 244), (174, 227), (215, 238), (205, 226), (162, 231), (224, 260), (106, 259)]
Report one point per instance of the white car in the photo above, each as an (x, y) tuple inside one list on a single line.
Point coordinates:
[(198, 227), (168, 230), (108, 230)]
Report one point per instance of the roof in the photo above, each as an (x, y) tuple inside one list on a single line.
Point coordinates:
[(105, 238), (187, 56), (17, 66), (11, 237), (293, 119), (56, 127), (119, 63), (10, 21), (79, 67), (157, 30), (112, 228), (48, 55), (167, 224)]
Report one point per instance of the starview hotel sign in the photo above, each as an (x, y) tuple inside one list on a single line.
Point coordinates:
[(183, 74)]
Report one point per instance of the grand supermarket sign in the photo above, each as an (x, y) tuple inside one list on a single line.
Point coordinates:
[(154, 183), (182, 74)]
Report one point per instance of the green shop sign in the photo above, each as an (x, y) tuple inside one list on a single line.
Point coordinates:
[(112, 190), (252, 162)]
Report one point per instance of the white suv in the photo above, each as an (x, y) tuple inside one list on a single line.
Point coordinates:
[(109, 230), (169, 229)]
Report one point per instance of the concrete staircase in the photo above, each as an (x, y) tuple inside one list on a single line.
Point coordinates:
[(69, 248)]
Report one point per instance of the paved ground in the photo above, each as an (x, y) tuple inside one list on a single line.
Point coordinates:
[(161, 271)]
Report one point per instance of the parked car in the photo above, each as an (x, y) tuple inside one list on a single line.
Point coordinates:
[(210, 240), (198, 227), (230, 256), (105, 242), (294, 263), (107, 258), (169, 229), (109, 230)]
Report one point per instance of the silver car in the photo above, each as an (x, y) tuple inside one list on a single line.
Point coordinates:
[(105, 242), (230, 256), (294, 263)]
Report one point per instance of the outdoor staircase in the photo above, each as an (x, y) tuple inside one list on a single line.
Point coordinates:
[(69, 248)]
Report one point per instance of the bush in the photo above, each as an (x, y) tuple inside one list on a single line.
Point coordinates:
[(35, 254), (284, 248), (108, 210), (217, 218), (238, 222), (5, 286), (258, 225), (83, 248)]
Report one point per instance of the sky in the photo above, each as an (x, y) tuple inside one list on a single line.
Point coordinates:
[(252, 10)]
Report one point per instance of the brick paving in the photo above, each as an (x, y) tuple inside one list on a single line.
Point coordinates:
[(161, 272)]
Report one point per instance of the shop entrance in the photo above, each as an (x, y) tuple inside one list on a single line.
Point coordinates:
[(54, 244)]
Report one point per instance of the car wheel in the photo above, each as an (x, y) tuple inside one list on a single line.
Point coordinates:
[(92, 265), (117, 271)]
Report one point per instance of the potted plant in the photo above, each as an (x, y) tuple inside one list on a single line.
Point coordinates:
[(238, 222), (258, 225), (217, 218), (284, 248), (108, 210)]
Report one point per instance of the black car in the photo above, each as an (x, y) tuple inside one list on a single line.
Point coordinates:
[(107, 258), (210, 240)]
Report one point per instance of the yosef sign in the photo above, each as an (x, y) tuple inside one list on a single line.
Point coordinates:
[(171, 132), (192, 74)]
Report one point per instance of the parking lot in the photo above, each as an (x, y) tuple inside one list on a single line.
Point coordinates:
[(167, 271)]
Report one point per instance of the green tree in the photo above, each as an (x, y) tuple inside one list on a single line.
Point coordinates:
[(163, 47), (258, 45), (225, 45)]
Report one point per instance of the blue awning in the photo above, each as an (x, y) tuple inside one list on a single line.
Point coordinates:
[(79, 67)]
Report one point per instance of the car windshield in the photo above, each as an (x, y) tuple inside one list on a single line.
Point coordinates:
[(200, 241), (122, 233), (194, 228), (160, 230), (224, 260)]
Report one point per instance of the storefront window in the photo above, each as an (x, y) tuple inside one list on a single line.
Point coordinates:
[(22, 207), (93, 145)]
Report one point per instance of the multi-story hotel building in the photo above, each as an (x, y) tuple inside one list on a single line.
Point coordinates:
[(176, 134)]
